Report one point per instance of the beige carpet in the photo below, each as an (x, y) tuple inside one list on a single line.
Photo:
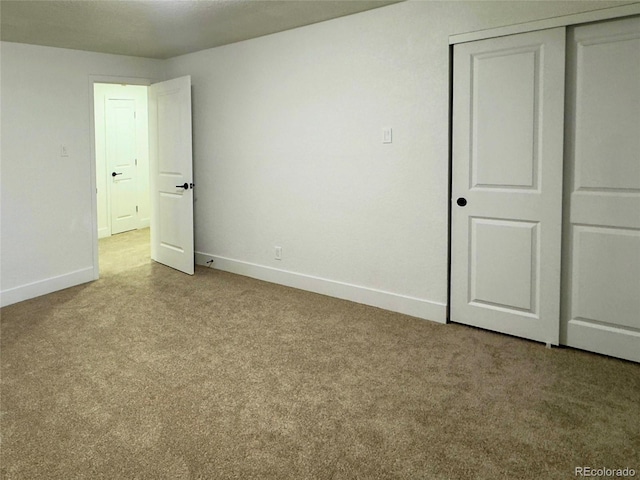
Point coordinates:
[(149, 373)]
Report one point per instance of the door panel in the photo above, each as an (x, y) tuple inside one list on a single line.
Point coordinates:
[(121, 159), (170, 151), (170, 207), (607, 133), (508, 109), (600, 256), (601, 310), (495, 283), (504, 118)]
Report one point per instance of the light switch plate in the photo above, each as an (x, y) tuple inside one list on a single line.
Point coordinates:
[(387, 135)]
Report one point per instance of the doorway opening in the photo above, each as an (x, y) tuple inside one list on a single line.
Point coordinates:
[(121, 141)]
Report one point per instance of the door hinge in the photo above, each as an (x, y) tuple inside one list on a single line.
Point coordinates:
[(136, 208), (134, 114), (136, 162)]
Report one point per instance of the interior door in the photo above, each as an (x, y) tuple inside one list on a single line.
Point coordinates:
[(508, 107), (601, 310), (121, 160), (171, 169)]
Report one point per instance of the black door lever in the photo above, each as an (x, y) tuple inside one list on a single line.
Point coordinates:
[(185, 186), (113, 174)]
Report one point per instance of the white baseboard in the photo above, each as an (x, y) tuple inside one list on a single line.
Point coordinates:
[(104, 232), (415, 307), (42, 287)]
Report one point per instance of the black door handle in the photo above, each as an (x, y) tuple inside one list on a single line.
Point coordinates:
[(185, 186), (113, 174), (461, 201)]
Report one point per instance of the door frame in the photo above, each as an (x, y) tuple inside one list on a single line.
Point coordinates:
[(610, 13), (119, 92), (561, 21), (92, 158)]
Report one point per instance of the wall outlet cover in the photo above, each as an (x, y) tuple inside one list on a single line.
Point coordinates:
[(387, 135)]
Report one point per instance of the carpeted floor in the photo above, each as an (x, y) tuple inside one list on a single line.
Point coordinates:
[(149, 373)]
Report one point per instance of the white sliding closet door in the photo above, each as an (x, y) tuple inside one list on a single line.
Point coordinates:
[(508, 127), (601, 306)]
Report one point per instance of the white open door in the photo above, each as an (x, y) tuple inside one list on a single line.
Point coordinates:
[(171, 170), (508, 124)]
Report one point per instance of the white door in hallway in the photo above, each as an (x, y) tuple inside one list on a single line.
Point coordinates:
[(121, 161), (508, 107), (171, 167), (601, 307)]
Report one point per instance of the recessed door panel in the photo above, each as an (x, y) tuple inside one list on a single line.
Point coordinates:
[(607, 130), (504, 117), (170, 234), (169, 140), (606, 276), (503, 260)]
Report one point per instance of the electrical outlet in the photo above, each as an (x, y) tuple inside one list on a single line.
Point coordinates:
[(278, 253)]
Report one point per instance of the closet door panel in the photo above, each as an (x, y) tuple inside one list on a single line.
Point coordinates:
[(508, 127), (601, 306)]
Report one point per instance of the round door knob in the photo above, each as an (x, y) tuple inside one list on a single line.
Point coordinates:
[(461, 202)]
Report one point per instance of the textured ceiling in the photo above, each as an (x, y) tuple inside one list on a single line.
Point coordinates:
[(161, 28)]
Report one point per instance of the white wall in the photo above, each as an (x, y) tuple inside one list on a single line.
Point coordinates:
[(103, 92), (47, 213), (287, 145), (288, 151)]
